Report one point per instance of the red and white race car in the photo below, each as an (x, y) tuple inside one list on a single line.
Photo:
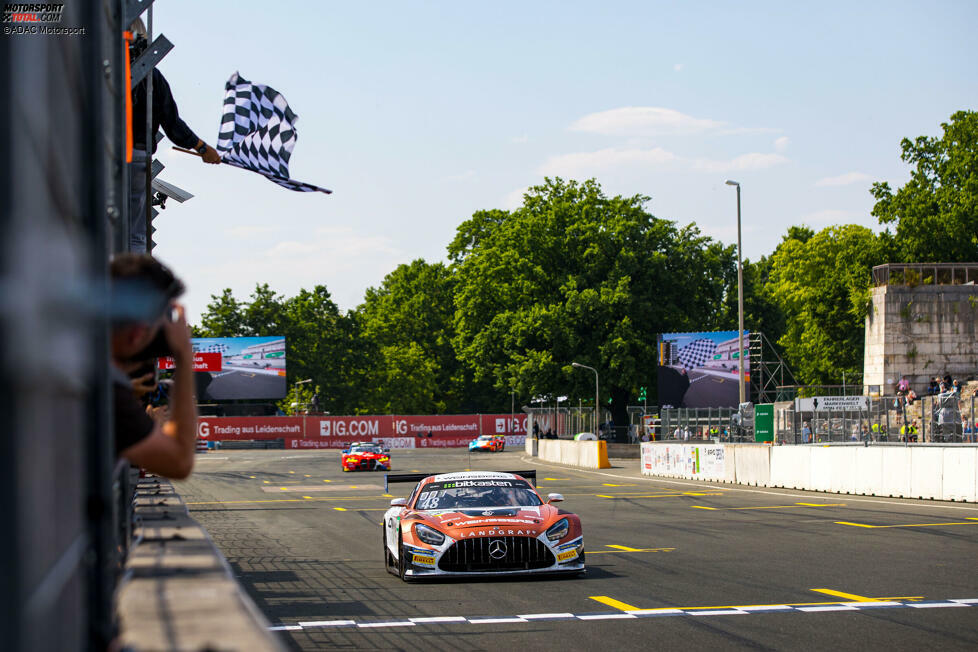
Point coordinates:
[(479, 523), (490, 443), (366, 456)]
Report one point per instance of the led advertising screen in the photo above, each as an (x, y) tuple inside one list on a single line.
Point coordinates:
[(233, 368), (700, 369)]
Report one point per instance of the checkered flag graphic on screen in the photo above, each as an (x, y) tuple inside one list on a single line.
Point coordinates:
[(258, 132), (696, 353)]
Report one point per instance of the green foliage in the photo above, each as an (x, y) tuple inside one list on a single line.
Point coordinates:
[(301, 395), (822, 287), (936, 212), (573, 275)]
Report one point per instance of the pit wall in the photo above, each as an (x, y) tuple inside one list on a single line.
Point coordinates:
[(584, 454), (934, 472)]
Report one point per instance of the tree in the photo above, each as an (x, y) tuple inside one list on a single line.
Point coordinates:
[(822, 286), (223, 317), (575, 276), (936, 212)]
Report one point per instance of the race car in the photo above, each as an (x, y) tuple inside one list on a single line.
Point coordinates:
[(491, 443), (366, 456), (479, 523)]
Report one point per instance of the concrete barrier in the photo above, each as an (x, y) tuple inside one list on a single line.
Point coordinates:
[(927, 473), (585, 454), (791, 466), (934, 472), (960, 473), (753, 462)]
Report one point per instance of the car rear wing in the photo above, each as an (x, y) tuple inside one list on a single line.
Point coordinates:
[(530, 476)]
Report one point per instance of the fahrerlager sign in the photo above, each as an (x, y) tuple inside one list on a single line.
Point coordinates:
[(832, 404)]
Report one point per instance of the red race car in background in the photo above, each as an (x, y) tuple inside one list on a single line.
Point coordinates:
[(366, 456), (490, 443)]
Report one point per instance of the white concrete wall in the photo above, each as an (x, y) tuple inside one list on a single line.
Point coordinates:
[(935, 472), (585, 454)]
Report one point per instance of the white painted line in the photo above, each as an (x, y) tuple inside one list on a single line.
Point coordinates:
[(966, 601), (766, 607), (935, 605), (399, 623), (328, 623), (605, 616), (284, 628), (833, 607), (440, 619), (545, 616), (653, 612), (877, 603), (718, 612), (491, 621)]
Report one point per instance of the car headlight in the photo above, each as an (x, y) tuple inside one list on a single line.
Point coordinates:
[(429, 535), (558, 530), (384, 458)]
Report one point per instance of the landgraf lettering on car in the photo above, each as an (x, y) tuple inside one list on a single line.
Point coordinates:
[(497, 533)]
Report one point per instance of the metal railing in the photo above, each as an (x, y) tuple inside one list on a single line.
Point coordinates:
[(927, 419), (914, 274)]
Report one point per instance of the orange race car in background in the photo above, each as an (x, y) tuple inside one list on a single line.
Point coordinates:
[(366, 456), (479, 523), (491, 443)]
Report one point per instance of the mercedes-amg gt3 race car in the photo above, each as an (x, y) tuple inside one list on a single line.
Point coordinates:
[(479, 523), (366, 456), (490, 443)]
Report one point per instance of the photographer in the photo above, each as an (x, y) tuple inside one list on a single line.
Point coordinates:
[(147, 324)]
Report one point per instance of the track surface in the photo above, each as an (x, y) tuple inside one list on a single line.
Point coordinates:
[(304, 539)]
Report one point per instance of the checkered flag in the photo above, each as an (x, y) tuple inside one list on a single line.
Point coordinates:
[(258, 132), (696, 353)]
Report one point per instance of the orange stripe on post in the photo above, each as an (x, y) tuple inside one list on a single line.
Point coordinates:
[(127, 36)]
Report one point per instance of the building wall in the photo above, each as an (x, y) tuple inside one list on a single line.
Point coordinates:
[(921, 332)]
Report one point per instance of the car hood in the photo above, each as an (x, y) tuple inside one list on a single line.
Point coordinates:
[(489, 521)]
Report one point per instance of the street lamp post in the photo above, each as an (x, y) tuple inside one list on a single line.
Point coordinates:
[(597, 432), (740, 301)]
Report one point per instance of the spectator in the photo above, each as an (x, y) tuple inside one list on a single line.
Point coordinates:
[(147, 324), (903, 386), (956, 388), (934, 386), (164, 114), (806, 433)]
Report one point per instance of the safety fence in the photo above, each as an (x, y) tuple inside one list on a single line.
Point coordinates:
[(930, 418)]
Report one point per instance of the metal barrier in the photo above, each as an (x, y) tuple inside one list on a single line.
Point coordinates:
[(685, 424), (886, 419)]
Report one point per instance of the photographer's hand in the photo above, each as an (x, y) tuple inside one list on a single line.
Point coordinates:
[(143, 385), (182, 420)]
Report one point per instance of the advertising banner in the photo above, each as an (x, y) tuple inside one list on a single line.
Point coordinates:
[(700, 369), (436, 431), (202, 362), (251, 368)]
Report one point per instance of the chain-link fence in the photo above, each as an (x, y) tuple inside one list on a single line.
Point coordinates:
[(932, 418)]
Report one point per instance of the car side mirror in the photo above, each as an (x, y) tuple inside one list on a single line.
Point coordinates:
[(387, 450), (346, 450), (399, 502), (555, 498)]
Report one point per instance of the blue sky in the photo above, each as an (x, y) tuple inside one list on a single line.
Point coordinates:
[(417, 114)]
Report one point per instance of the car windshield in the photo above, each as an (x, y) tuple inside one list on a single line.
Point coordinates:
[(485, 438), (465, 494), (366, 449)]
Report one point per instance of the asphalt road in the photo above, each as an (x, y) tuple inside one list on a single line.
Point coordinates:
[(723, 566), (244, 384)]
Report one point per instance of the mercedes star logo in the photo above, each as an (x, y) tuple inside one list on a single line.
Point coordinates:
[(497, 548)]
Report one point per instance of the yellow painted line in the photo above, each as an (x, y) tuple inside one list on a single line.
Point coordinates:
[(883, 527), (603, 496), (694, 493), (608, 484), (608, 552), (625, 548), (308, 497), (847, 596), (353, 486), (611, 602), (252, 477), (415, 471), (307, 475), (266, 481), (703, 507), (327, 480), (388, 496), (822, 504), (284, 488), (556, 478), (340, 509)]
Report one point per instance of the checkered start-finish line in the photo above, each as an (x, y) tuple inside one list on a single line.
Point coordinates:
[(635, 614)]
